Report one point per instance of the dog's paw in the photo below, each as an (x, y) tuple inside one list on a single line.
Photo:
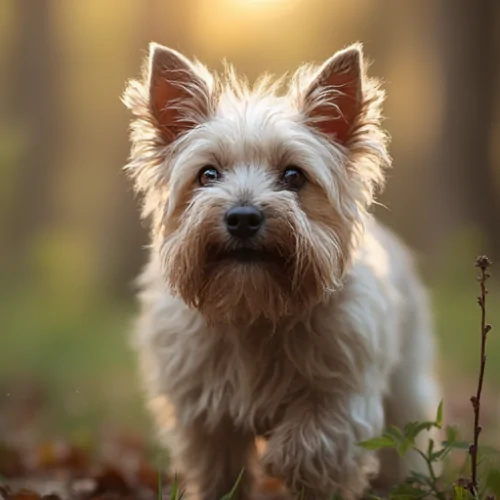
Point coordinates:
[(313, 473)]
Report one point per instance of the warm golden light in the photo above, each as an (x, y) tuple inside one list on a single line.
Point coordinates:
[(263, 2), (231, 28), (266, 4)]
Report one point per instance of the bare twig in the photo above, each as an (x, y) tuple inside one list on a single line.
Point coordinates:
[(483, 263)]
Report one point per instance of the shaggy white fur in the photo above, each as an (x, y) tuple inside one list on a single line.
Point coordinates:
[(321, 339)]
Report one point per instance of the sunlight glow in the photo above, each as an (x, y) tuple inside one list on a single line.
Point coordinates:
[(263, 2), (267, 4), (233, 27)]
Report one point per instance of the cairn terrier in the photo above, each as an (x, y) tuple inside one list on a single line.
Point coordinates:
[(273, 304)]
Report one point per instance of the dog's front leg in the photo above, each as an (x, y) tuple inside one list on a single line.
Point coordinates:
[(210, 459), (315, 451)]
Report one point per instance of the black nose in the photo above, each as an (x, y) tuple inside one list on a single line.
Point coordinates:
[(244, 222)]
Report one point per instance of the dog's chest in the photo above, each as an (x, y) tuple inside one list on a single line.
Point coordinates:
[(251, 377)]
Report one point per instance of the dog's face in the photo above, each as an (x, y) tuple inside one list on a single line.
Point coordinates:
[(256, 197)]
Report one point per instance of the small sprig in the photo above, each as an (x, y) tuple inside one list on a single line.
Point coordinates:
[(483, 263)]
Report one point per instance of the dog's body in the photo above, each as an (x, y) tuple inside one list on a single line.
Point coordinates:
[(273, 304)]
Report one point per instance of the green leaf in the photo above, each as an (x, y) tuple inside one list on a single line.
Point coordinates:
[(230, 495), (492, 482), (378, 443), (451, 434), (418, 478), (410, 430), (337, 496), (430, 447), (395, 433), (403, 447), (459, 445), (440, 454), (460, 493), (413, 429), (407, 491), (439, 416), (175, 493)]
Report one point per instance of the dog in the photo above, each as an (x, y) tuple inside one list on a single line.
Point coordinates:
[(273, 303)]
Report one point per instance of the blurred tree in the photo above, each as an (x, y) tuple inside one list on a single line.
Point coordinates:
[(162, 22), (404, 41), (469, 56), (33, 107)]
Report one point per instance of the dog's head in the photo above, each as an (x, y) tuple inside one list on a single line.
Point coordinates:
[(256, 196)]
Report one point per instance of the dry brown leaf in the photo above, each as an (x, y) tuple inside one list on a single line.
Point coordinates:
[(59, 454), (11, 464), (24, 495), (110, 479)]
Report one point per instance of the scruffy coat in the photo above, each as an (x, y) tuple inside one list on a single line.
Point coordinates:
[(318, 347)]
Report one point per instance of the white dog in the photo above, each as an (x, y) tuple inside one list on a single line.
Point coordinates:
[(273, 304)]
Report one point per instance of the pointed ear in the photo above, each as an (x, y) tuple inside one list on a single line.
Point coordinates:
[(179, 92), (334, 97)]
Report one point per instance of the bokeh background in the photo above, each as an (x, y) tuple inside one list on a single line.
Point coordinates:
[(70, 237)]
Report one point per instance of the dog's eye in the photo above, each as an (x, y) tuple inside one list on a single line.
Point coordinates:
[(293, 178), (208, 175)]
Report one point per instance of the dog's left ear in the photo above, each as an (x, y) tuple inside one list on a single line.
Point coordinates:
[(333, 99)]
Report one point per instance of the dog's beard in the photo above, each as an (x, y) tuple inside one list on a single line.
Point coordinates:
[(286, 273)]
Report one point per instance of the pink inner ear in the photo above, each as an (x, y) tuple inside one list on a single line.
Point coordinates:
[(338, 124), (165, 97)]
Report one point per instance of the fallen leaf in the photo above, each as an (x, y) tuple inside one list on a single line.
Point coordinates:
[(24, 495), (11, 464), (109, 479)]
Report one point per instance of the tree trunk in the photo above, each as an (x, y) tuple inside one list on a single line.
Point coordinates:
[(33, 107), (469, 55), (129, 237)]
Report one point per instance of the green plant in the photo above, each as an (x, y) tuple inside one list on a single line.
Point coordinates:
[(175, 492), (419, 486), (231, 494)]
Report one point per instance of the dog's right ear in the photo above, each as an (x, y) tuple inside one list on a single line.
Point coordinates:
[(178, 92), (179, 95), (173, 96)]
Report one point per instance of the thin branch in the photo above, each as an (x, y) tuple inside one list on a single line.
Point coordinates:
[(483, 263)]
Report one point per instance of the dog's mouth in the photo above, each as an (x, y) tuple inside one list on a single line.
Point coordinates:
[(247, 255)]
